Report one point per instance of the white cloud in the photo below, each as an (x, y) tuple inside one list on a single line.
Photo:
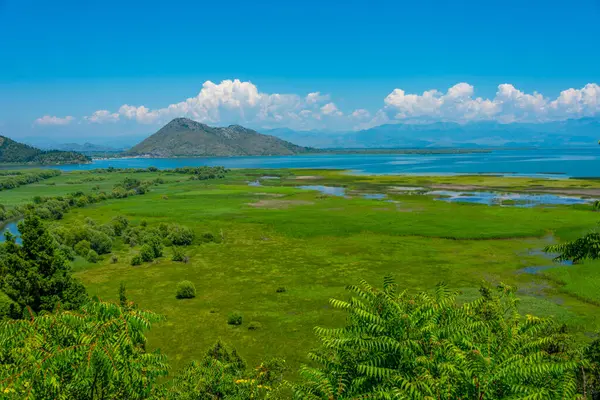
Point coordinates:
[(235, 101), (51, 120), (331, 109), (101, 116), (360, 113), (509, 105)]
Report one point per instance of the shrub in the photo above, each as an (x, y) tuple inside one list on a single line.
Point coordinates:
[(92, 256), (180, 235), (281, 289), (186, 290), (82, 248), (136, 260), (119, 224), (100, 242), (254, 325), (235, 318), (154, 240), (177, 254), (146, 253)]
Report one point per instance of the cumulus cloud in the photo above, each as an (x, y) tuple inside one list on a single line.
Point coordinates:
[(101, 116), (51, 120), (510, 104), (235, 101), (331, 109)]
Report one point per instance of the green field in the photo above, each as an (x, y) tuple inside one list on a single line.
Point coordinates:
[(277, 235)]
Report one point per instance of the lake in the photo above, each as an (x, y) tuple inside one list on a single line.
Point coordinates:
[(565, 162)]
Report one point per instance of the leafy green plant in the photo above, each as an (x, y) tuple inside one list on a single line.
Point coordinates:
[(136, 260), (82, 248), (234, 318), (92, 256), (147, 253), (586, 247), (397, 345), (178, 254), (96, 353), (185, 290)]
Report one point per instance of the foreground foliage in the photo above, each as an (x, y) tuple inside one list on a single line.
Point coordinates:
[(428, 346), (95, 353), (586, 247)]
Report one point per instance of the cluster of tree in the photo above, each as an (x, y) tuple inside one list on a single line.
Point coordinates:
[(153, 240), (15, 152), (15, 179), (53, 208), (202, 173), (89, 240)]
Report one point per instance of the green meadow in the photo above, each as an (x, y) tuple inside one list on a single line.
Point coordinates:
[(313, 245)]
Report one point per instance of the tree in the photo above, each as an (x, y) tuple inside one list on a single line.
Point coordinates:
[(36, 274), (586, 247), (427, 346), (95, 353)]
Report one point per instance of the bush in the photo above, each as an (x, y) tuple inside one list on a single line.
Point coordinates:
[(180, 235), (119, 224), (234, 318), (92, 256), (281, 289), (136, 260), (154, 240), (100, 242), (82, 248), (147, 253), (186, 290), (177, 254), (254, 325)]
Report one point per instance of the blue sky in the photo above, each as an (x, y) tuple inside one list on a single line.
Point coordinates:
[(75, 58)]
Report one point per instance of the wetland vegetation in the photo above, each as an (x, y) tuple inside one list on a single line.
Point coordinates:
[(216, 259)]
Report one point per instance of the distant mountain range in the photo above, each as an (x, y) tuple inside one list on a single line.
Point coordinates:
[(574, 132), (19, 153), (183, 137), (84, 148)]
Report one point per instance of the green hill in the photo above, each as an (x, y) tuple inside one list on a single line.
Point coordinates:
[(19, 153), (183, 137)]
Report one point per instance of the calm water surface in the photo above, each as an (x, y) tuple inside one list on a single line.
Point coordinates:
[(536, 162)]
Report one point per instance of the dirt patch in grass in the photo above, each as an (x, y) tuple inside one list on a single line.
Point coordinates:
[(280, 204), (309, 177)]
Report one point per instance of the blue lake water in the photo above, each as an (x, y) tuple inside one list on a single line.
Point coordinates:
[(565, 162)]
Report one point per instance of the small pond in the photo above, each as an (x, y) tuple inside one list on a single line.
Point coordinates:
[(507, 199), (329, 190)]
